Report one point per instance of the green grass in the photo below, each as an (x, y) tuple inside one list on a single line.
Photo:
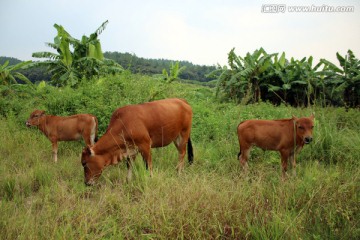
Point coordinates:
[(211, 199)]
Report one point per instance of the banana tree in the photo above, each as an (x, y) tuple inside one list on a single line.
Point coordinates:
[(256, 65), (312, 76), (230, 80), (283, 75), (89, 46), (295, 81), (86, 60), (344, 80), (174, 72), (61, 64), (244, 79), (9, 74)]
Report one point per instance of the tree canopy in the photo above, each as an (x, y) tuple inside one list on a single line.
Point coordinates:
[(260, 76), (155, 66), (85, 61)]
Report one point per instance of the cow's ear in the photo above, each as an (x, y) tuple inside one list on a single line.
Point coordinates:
[(42, 113)]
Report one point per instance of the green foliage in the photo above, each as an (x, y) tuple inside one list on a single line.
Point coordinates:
[(261, 76), (85, 62), (344, 81), (9, 74), (156, 66), (245, 77), (34, 74), (174, 72), (12, 61)]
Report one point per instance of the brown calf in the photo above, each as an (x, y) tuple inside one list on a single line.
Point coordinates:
[(287, 136), (138, 128), (69, 128)]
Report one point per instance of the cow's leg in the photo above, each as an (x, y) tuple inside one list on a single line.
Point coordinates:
[(129, 162), (293, 163), (180, 144), (284, 162), (54, 150), (243, 156), (87, 139), (145, 151), (89, 136)]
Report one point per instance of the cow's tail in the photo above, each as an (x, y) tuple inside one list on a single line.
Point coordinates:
[(239, 154), (190, 151), (96, 129)]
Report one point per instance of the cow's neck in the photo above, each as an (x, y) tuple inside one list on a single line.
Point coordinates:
[(43, 121), (108, 144), (299, 141)]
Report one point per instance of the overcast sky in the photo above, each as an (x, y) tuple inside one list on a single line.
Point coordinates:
[(202, 31)]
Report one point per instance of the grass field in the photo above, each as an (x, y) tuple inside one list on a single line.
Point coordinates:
[(211, 199)]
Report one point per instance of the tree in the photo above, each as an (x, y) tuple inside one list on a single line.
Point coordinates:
[(312, 77), (245, 77), (282, 77), (344, 81), (86, 60), (295, 78), (9, 74), (174, 72)]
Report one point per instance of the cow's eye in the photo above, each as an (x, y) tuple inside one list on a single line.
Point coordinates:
[(301, 127)]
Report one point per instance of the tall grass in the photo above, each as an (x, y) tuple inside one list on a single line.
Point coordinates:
[(211, 199)]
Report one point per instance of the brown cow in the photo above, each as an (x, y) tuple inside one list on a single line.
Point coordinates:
[(138, 128), (69, 128), (287, 136)]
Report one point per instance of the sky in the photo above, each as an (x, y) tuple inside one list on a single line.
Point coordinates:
[(202, 32)]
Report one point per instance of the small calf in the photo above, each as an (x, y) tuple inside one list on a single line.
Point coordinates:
[(69, 128), (287, 136)]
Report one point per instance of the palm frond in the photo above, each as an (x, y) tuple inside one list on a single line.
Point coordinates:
[(20, 65), (50, 55), (102, 27), (331, 66), (5, 64), (23, 78)]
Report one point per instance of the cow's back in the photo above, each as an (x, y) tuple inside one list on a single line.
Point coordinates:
[(161, 121), (266, 134)]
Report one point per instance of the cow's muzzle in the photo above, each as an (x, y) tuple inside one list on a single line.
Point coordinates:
[(90, 183), (308, 140)]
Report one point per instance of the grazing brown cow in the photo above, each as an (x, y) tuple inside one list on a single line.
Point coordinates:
[(138, 128), (69, 128), (287, 136)]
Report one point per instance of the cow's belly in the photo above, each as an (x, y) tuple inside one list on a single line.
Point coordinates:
[(162, 140), (270, 140), (69, 137)]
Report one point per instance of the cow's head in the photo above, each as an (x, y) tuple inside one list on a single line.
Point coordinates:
[(93, 165), (304, 128), (34, 119)]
